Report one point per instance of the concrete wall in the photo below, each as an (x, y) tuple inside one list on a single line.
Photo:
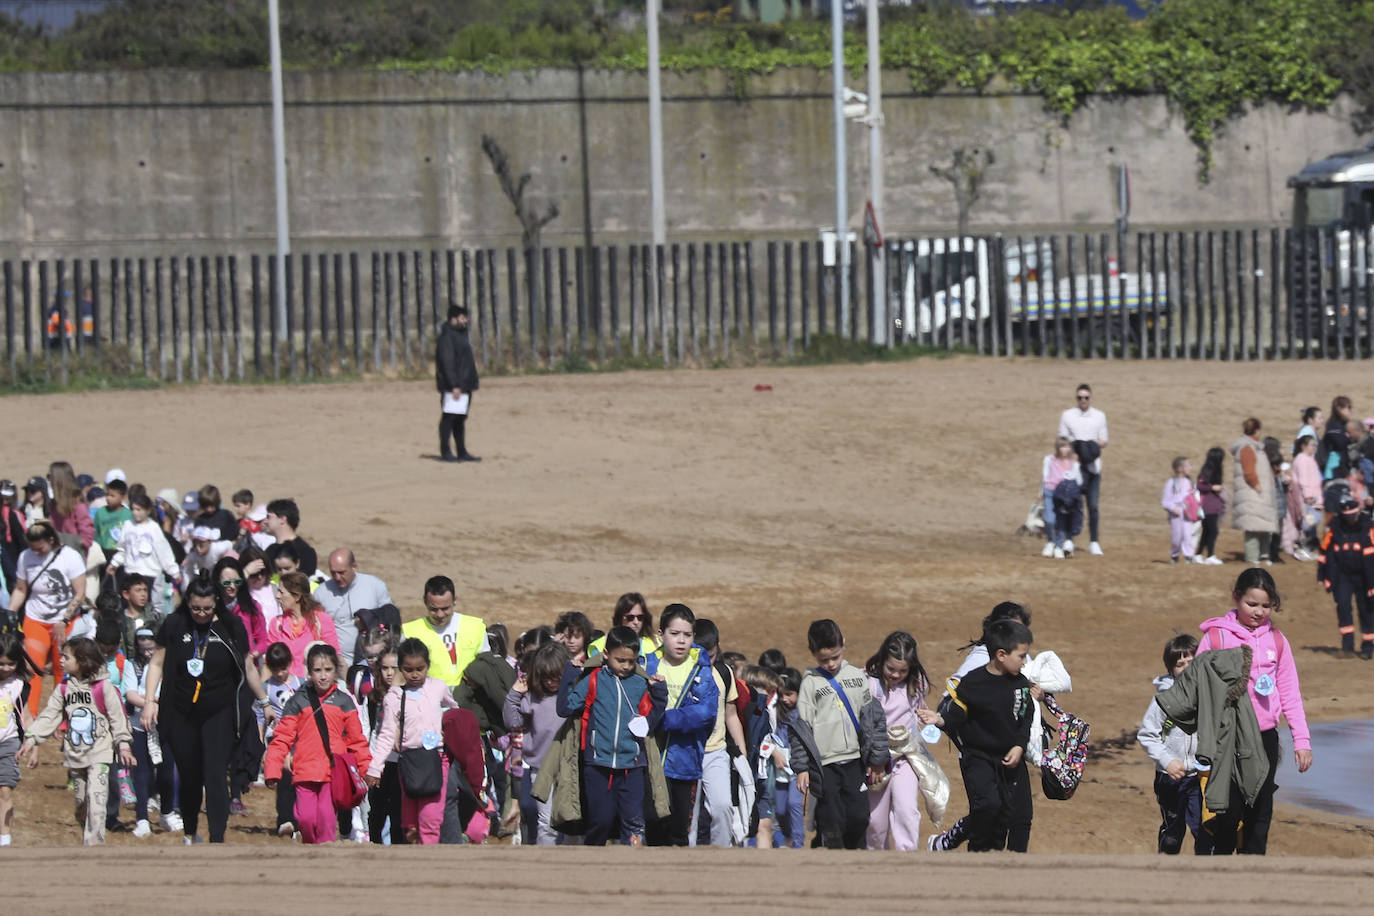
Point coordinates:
[(97, 162)]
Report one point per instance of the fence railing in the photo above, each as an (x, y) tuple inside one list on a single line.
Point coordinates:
[(1234, 294)]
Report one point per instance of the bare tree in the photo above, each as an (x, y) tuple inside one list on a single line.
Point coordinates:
[(965, 174), (532, 221)]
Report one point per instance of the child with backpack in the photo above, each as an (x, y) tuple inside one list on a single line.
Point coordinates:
[(988, 715), (1183, 504), (1210, 486), (1178, 788), (619, 705), (839, 739), (317, 723), (688, 718), (97, 732), (1058, 467)]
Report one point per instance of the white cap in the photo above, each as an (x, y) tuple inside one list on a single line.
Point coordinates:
[(204, 533), (115, 474), (258, 512), (168, 495)]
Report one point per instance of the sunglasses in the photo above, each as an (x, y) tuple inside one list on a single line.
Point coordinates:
[(636, 617), (230, 583), (1085, 397)]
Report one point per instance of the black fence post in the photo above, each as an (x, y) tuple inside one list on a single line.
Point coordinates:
[(234, 315), (255, 293), (532, 297), (804, 285), (1105, 261), (421, 325), (1276, 238), (677, 311), (772, 250), (157, 310), (660, 254), (114, 313), (594, 314), (723, 286), (735, 283), (646, 265), (64, 318), (322, 269), (305, 313), (1365, 351), (205, 313), (547, 256), (692, 301), (10, 348), (143, 313), (1226, 304), (1256, 291), (513, 294), (613, 272), (78, 307), (174, 317), (634, 300), (1213, 327), (707, 284), (403, 307), (787, 295), (580, 269), (28, 311), (563, 302), (390, 312)]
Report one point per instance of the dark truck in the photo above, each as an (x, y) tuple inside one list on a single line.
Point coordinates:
[(1329, 282)]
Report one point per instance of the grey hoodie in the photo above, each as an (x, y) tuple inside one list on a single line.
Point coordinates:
[(1162, 740), (1210, 699)]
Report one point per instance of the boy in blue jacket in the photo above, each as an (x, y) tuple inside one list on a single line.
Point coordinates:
[(619, 704), (692, 698)]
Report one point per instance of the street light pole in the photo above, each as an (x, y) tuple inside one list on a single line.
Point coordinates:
[(659, 218), (881, 332), (841, 192), (279, 166)]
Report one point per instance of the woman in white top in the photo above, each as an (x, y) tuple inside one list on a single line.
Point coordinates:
[(49, 586)]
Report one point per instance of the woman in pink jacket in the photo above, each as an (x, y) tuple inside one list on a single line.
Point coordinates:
[(425, 699), (302, 622), (1274, 691)]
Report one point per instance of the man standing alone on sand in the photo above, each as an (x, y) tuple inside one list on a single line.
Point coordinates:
[(455, 375), (1086, 427)]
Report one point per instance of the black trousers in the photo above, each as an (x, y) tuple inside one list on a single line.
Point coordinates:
[(384, 804), (842, 810), (454, 426), (999, 803), (1180, 810), (676, 828), (1347, 592), (202, 745), (1208, 545), (1244, 828)]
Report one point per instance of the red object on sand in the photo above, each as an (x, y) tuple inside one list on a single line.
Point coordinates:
[(763, 387)]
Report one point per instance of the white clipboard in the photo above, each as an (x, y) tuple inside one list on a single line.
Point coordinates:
[(458, 405)]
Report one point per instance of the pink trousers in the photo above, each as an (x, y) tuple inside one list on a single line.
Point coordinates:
[(893, 811), (315, 815), (1180, 537), (426, 814)]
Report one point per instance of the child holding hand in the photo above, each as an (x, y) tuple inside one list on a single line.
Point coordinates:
[(96, 724), (988, 715)]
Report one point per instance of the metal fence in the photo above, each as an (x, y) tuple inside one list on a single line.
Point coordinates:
[(1235, 295)]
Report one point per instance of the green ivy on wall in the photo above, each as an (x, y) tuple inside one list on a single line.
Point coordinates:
[(1210, 58)]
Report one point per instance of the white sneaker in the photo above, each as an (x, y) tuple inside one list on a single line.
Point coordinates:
[(1068, 546), (1095, 549), (171, 822), (191, 840), (1049, 549), (1213, 560), (285, 829), (1059, 553), (141, 829), (1301, 553), (358, 835)]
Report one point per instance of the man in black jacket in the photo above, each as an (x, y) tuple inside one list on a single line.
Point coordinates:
[(455, 375)]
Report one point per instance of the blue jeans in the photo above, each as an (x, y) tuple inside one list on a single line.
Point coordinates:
[(789, 806), (1047, 500)]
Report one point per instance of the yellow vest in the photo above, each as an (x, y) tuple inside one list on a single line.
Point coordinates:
[(471, 631)]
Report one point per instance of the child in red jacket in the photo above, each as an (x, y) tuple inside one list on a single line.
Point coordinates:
[(465, 796), (298, 733)]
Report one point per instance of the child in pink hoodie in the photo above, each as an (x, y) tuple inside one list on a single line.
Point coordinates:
[(425, 700), (1274, 691)]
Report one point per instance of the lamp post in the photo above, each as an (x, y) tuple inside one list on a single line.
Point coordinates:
[(279, 166), (841, 192), (875, 175), (659, 218)]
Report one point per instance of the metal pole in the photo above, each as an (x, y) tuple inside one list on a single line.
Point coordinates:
[(841, 215), (660, 220), (881, 332), (279, 166)]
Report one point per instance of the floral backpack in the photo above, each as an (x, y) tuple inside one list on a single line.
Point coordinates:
[(1062, 768)]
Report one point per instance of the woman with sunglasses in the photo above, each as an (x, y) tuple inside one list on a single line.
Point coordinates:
[(208, 682), (258, 574), (49, 586), (631, 610), (232, 587)]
